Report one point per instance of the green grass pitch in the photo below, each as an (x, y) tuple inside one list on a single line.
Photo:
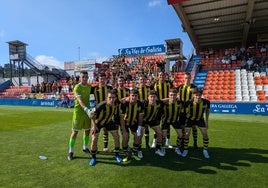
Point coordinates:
[(238, 148)]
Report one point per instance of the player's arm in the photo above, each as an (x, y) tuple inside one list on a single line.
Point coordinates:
[(122, 121), (141, 113), (94, 127), (124, 99), (165, 100), (93, 117), (81, 103)]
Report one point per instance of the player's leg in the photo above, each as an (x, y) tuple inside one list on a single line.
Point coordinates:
[(205, 141), (115, 136), (139, 139), (159, 134), (182, 121), (154, 141), (178, 148), (94, 148), (86, 126), (71, 144), (105, 140), (147, 136), (186, 141), (77, 124), (125, 147), (167, 137), (195, 133), (164, 129)]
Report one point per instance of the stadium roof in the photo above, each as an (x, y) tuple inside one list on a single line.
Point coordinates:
[(223, 23)]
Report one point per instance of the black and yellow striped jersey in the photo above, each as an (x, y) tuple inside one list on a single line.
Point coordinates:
[(100, 93), (195, 111), (131, 112), (172, 111), (105, 113), (143, 92), (153, 112), (185, 92), (122, 93), (162, 89)]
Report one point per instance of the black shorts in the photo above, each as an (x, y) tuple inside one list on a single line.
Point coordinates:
[(132, 128), (182, 119), (175, 125), (190, 123), (151, 123), (111, 126)]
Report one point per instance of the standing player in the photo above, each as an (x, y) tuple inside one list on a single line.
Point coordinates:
[(162, 87), (143, 95), (102, 116), (171, 113), (197, 115), (80, 114), (122, 91), (100, 93), (185, 93)]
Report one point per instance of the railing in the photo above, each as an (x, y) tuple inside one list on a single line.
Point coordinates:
[(44, 69), (34, 64)]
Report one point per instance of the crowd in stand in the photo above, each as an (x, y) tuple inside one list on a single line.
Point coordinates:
[(252, 58)]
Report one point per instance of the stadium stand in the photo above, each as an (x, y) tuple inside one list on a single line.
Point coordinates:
[(15, 91), (236, 85)]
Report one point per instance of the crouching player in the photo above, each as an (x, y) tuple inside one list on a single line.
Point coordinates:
[(153, 111), (103, 117), (196, 109), (131, 117)]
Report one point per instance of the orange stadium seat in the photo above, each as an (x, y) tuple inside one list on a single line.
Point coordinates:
[(224, 97), (217, 97)]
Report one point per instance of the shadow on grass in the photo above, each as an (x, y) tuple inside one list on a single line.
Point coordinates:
[(220, 158)]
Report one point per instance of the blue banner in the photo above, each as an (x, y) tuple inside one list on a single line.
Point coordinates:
[(144, 50), (29, 102), (239, 108), (215, 107)]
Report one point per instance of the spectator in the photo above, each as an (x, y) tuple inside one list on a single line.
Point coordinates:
[(65, 101), (263, 49), (244, 64), (33, 90), (250, 63), (54, 87), (38, 88)]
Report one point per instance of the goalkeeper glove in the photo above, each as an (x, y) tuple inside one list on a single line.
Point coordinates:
[(89, 112), (86, 110)]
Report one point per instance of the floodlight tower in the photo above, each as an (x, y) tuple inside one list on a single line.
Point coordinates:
[(17, 55)]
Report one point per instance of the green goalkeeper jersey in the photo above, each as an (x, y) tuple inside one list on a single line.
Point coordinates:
[(84, 93)]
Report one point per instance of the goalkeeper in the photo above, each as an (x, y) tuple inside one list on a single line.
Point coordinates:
[(80, 114)]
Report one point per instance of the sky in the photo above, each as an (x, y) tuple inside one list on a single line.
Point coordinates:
[(58, 31)]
